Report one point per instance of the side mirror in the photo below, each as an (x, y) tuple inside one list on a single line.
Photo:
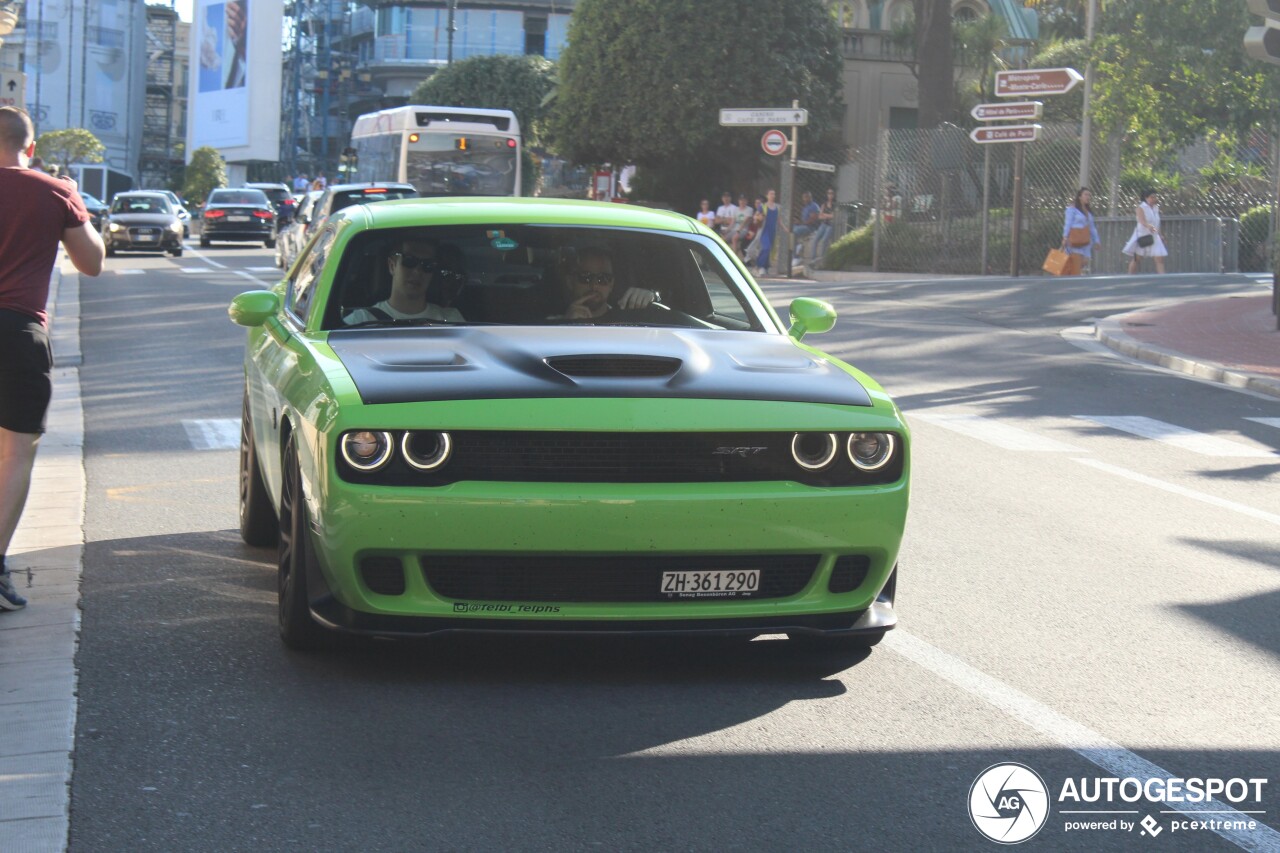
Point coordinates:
[(810, 315), (254, 307)]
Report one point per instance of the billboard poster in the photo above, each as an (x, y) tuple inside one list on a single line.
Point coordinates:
[(221, 107)]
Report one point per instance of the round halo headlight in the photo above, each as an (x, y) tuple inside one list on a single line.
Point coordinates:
[(366, 450), (426, 451), (813, 450), (870, 451)]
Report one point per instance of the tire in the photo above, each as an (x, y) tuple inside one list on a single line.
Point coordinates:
[(270, 244), (111, 253), (298, 630), (258, 523), (204, 242), (177, 253)]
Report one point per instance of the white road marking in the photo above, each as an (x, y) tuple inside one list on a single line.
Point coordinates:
[(131, 272), (206, 258), (1101, 751), (264, 269), (1244, 509), (994, 432), (1275, 422), (198, 269), (1186, 439), (252, 278), (222, 434)]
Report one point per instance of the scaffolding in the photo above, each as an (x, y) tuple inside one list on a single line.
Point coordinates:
[(158, 162), (322, 83)]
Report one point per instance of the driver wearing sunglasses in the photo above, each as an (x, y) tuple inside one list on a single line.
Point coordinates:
[(416, 268), (590, 284)]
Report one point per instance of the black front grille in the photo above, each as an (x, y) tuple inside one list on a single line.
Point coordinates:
[(601, 578), (383, 575), (635, 367), (623, 457), (849, 572)]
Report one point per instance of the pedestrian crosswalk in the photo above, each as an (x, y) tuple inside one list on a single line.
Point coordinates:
[(996, 432), (217, 434)]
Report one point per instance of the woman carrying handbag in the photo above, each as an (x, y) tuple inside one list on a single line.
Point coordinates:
[(1079, 231), (1146, 241)]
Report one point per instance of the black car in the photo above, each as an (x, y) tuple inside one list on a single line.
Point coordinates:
[(97, 210), (239, 215), (338, 196), (142, 222), (281, 199)]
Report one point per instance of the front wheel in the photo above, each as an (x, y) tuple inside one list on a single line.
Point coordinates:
[(204, 242), (270, 244), (177, 253), (258, 523), (298, 630)]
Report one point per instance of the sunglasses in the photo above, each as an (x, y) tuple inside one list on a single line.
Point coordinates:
[(595, 277), (412, 262)]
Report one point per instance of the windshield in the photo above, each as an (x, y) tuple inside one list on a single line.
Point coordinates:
[(538, 275), (238, 197), (448, 164), (140, 204), (368, 195)]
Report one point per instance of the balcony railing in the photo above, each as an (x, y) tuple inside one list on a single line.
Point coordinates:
[(875, 45), (105, 37)]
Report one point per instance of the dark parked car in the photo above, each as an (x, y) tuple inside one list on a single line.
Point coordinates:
[(97, 210), (142, 221), (293, 235), (338, 196), (240, 215), (281, 199)]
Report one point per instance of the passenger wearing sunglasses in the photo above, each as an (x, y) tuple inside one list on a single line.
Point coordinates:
[(590, 284), (419, 268)]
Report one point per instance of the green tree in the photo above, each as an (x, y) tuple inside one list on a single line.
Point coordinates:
[(643, 81), (72, 145), (206, 172)]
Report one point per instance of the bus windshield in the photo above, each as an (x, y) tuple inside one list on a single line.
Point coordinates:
[(450, 164)]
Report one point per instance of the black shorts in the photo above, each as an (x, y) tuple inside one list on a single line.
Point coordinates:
[(26, 372)]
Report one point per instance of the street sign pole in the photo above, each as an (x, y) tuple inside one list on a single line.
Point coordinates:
[(986, 204), (782, 237), (1015, 259)]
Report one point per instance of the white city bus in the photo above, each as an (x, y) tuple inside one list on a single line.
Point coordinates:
[(442, 151)]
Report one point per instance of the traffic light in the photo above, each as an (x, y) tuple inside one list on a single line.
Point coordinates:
[(1263, 42)]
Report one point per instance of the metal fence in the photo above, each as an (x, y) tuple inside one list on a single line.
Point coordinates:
[(941, 203)]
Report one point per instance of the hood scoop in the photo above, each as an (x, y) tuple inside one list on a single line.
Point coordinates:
[(614, 366)]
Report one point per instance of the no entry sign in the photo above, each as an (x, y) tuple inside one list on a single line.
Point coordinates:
[(773, 142)]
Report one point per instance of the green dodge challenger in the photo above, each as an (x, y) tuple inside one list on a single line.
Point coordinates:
[(533, 415)]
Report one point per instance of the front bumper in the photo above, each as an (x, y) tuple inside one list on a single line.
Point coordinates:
[(126, 241), (573, 521)]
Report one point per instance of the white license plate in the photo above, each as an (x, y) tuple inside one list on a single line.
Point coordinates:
[(237, 219), (146, 238), (715, 584)]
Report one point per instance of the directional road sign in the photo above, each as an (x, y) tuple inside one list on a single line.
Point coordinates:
[(773, 142), (1006, 133), (815, 166), (781, 117), (13, 89), (1014, 111), (1036, 81)]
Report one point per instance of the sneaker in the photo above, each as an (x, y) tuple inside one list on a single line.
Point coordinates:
[(9, 597)]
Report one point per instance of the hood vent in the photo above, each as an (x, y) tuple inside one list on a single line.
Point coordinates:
[(614, 366)]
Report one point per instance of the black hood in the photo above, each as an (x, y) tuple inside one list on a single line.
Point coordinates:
[(507, 362)]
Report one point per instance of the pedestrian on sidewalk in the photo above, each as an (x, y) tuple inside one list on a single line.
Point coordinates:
[(768, 231), (1147, 241), (1079, 230), (39, 212)]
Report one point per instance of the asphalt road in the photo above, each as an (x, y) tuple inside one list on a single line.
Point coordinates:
[(1089, 588)]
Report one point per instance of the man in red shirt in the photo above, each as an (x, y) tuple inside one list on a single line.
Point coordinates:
[(38, 212)]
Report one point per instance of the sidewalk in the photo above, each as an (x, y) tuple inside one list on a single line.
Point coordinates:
[(38, 644)]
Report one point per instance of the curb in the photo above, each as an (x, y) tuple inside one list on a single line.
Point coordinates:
[(1109, 333)]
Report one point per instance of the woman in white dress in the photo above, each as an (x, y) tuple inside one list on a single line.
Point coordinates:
[(1148, 226)]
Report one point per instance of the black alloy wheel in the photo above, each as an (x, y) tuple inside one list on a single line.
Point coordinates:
[(258, 523), (298, 630)]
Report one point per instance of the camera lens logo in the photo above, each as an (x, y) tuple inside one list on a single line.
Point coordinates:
[(1008, 803)]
